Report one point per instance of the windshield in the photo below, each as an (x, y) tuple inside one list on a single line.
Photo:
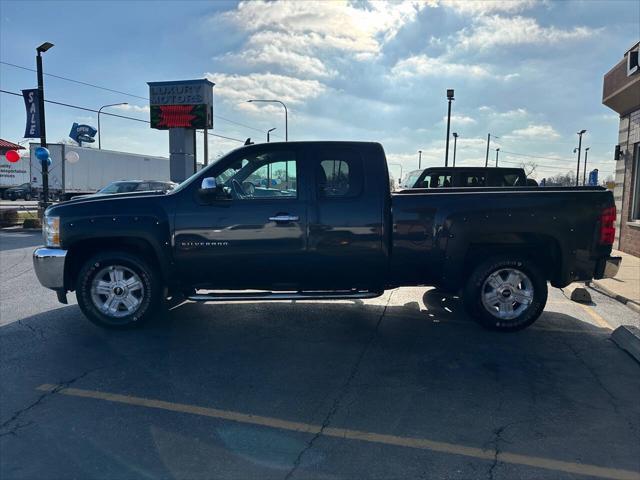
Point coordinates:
[(119, 187)]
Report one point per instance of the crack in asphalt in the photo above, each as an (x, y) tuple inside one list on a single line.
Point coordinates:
[(340, 397), (18, 414)]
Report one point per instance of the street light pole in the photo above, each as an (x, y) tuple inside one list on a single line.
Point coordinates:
[(450, 99), (455, 143), (584, 171), (580, 133), (497, 152), (43, 128), (268, 132), (419, 159), (286, 115), (100, 110)]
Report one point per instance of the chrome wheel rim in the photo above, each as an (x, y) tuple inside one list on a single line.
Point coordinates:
[(507, 293), (117, 291)]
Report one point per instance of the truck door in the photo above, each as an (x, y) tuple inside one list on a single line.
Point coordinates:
[(346, 248), (255, 236)]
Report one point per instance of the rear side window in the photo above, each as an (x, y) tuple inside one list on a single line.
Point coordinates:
[(473, 179), (340, 174), (504, 180), (438, 181)]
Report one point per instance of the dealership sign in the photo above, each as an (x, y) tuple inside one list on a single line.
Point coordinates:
[(181, 104), (32, 104), (82, 133)]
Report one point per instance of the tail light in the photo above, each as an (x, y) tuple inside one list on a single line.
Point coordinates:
[(607, 225)]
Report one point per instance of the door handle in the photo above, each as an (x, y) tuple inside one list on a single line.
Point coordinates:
[(284, 218)]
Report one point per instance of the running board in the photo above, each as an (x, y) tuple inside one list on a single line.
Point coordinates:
[(263, 296)]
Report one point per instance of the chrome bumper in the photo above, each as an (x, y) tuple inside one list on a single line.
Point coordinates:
[(611, 267), (49, 266)]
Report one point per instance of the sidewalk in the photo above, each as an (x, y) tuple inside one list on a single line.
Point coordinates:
[(625, 286)]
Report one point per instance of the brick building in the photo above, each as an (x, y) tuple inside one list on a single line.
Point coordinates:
[(621, 93)]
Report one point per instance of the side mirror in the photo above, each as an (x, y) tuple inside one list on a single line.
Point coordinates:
[(210, 190)]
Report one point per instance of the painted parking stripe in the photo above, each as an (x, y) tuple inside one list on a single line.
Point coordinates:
[(343, 433)]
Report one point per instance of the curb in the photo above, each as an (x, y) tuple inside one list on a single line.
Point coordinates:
[(627, 337), (620, 298)]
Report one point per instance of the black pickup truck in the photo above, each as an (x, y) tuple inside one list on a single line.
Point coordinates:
[(316, 220)]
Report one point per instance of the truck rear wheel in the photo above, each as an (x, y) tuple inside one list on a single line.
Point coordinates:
[(117, 290), (505, 293)]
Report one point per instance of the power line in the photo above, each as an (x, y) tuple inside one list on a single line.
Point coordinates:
[(544, 167), (77, 107), (87, 84)]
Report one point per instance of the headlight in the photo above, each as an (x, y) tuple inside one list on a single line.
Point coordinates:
[(51, 231)]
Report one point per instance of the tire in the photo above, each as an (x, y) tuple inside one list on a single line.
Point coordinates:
[(118, 290), (27, 197), (492, 292), (12, 197)]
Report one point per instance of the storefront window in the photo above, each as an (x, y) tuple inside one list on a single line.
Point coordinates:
[(635, 194)]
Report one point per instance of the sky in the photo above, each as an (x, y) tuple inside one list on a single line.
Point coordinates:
[(528, 72)]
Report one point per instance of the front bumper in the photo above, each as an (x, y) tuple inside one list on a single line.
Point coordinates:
[(49, 266), (608, 267)]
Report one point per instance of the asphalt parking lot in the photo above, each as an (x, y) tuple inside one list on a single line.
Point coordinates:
[(403, 386)]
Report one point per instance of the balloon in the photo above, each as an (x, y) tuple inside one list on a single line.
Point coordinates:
[(72, 157), (12, 156), (47, 161), (42, 153)]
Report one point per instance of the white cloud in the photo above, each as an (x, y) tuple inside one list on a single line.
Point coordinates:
[(293, 35), (425, 66), (495, 31), (508, 115), (459, 120), (479, 7), (237, 89), (534, 131), (133, 108)]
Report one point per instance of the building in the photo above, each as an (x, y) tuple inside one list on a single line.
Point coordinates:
[(6, 145), (621, 93)]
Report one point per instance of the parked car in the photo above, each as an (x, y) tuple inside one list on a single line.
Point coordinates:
[(21, 191), (126, 186), (335, 232), (466, 177)]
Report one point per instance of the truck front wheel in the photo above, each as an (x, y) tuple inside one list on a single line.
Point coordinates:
[(117, 290), (505, 293)]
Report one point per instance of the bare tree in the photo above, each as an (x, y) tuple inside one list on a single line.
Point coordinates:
[(529, 167)]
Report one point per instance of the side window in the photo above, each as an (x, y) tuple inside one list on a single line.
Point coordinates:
[(143, 187), (271, 174), (340, 174), (473, 180), (439, 181)]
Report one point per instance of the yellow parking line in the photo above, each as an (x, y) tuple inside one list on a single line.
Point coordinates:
[(343, 433), (593, 314)]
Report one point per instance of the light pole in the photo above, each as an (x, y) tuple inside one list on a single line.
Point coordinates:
[(455, 143), (580, 133), (286, 115), (43, 129), (100, 110), (268, 134), (419, 159), (497, 152), (449, 99), (584, 171)]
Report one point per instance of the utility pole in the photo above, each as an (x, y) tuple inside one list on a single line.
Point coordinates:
[(497, 152), (450, 99), (584, 171), (580, 133), (419, 159), (486, 160), (206, 147), (455, 142), (43, 129)]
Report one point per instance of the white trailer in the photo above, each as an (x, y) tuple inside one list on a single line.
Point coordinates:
[(80, 170), (13, 174)]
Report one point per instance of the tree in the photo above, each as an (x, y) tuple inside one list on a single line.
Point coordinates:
[(562, 180), (529, 167)]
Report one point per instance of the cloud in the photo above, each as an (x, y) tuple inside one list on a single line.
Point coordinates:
[(237, 89), (294, 35), (532, 131), (514, 114), (425, 66), (460, 120), (133, 108), (495, 31), (479, 7)]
